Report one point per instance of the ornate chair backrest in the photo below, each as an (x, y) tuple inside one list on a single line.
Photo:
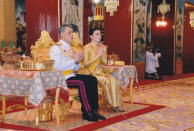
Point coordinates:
[(40, 51)]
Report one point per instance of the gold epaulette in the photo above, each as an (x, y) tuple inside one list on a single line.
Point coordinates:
[(58, 43)]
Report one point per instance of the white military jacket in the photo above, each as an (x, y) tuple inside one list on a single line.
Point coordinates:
[(150, 60), (156, 63), (63, 61)]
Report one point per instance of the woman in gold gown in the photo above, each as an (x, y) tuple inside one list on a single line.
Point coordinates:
[(95, 54)]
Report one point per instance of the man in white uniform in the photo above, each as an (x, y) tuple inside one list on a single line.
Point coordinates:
[(68, 62), (151, 59), (156, 64)]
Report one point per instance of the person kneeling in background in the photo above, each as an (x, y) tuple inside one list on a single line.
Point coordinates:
[(151, 60)]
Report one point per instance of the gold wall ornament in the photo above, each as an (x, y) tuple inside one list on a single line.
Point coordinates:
[(163, 8), (98, 12), (111, 6), (191, 16)]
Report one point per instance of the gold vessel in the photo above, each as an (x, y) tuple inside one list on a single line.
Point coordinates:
[(62, 108), (45, 111)]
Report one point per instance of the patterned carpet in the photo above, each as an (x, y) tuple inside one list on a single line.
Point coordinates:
[(176, 95), (74, 119), (178, 115)]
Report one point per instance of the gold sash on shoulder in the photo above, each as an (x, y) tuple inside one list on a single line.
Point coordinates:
[(67, 72), (94, 65)]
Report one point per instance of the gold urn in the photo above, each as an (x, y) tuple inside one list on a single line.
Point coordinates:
[(45, 111)]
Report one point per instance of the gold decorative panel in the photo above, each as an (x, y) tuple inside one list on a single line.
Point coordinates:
[(191, 16), (1, 19), (7, 20)]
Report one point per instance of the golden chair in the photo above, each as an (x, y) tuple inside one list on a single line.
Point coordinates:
[(40, 53), (73, 94)]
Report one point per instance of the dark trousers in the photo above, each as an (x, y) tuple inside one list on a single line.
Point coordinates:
[(152, 76), (159, 72), (88, 91)]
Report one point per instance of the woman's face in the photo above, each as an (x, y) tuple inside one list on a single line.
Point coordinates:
[(96, 36)]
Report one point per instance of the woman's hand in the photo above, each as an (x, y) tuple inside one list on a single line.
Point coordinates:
[(101, 49)]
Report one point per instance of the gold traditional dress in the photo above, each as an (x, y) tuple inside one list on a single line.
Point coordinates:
[(106, 81)]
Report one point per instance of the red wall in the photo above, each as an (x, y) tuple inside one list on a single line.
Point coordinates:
[(188, 47), (41, 15), (164, 37), (117, 30)]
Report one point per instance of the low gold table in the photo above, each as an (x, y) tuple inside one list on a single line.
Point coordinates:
[(126, 75), (33, 86)]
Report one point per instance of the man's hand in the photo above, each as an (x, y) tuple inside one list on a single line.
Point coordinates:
[(78, 57)]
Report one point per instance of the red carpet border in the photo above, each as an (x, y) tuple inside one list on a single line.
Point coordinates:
[(100, 124), (95, 125)]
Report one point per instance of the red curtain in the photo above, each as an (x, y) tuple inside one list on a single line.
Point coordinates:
[(41, 15)]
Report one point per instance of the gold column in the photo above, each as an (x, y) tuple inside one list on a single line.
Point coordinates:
[(7, 20), (26, 106), (1, 20), (132, 23), (131, 91), (59, 15), (3, 108), (174, 50), (57, 111)]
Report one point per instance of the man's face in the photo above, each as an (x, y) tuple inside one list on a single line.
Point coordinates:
[(67, 35), (96, 37)]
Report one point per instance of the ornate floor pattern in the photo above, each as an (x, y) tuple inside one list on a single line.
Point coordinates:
[(73, 119), (176, 95), (178, 115)]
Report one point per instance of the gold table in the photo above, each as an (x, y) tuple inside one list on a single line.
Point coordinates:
[(126, 75), (33, 86)]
